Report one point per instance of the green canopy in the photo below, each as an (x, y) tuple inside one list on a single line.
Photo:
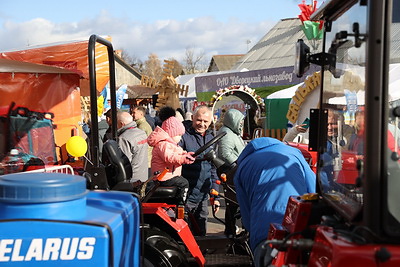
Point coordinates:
[(276, 110)]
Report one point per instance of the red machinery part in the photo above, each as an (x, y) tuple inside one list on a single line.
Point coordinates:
[(309, 156), (180, 226), (333, 249), (296, 219), (347, 175), (297, 214)]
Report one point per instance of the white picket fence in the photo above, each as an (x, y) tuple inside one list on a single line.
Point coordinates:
[(67, 169)]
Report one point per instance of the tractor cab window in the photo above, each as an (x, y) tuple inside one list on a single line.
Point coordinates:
[(343, 101), (392, 211)]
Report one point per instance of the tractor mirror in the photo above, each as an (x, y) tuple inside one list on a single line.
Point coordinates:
[(302, 53)]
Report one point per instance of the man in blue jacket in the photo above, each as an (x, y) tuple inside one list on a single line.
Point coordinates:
[(201, 174), (268, 173)]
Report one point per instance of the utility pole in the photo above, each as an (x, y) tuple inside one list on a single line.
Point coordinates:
[(248, 41)]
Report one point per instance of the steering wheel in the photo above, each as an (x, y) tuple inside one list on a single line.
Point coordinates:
[(208, 144)]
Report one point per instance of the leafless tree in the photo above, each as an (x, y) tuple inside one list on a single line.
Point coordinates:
[(153, 67), (192, 61), (132, 60)]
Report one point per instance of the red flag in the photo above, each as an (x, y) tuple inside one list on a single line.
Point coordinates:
[(307, 10)]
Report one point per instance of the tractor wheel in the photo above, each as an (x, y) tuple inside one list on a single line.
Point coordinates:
[(161, 250)]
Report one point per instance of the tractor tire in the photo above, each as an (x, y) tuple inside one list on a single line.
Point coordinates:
[(159, 249)]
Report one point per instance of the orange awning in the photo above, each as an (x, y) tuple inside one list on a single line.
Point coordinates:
[(72, 56)]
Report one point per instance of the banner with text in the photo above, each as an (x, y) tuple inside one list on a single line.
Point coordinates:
[(253, 79)]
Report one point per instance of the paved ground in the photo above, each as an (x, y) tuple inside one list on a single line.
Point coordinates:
[(214, 227)]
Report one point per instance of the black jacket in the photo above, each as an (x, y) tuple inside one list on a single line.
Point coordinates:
[(201, 174)]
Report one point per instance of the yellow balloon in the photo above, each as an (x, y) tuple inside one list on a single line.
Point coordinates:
[(100, 105), (76, 146)]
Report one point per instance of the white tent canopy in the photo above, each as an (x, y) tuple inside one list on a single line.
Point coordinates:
[(341, 100), (285, 93), (190, 81), (394, 82)]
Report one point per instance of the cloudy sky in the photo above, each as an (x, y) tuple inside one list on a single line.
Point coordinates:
[(166, 28)]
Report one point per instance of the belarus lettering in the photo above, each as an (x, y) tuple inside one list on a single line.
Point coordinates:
[(50, 249)]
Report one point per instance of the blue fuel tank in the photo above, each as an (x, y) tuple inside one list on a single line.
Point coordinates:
[(51, 219)]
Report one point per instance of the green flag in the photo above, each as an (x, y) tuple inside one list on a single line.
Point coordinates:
[(311, 30)]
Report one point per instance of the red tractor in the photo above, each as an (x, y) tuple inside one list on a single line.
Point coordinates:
[(354, 219)]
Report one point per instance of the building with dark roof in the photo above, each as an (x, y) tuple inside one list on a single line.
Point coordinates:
[(277, 48), (223, 62)]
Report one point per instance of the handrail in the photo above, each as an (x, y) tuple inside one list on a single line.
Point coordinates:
[(94, 149)]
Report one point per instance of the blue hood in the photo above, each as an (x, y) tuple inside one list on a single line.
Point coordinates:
[(257, 144)]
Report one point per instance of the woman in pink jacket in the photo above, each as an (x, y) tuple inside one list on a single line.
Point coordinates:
[(167, 154)]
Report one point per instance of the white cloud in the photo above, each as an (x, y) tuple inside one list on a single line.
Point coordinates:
[(37, 32), (166, 38)]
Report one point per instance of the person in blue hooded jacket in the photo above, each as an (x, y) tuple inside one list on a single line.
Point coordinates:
[(268, 173)]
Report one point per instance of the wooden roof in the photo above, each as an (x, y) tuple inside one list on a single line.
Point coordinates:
[(223, 62)]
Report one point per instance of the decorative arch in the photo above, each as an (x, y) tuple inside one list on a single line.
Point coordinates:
[(244, 93)]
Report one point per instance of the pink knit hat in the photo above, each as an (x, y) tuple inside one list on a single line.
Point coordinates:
[(173, 127)]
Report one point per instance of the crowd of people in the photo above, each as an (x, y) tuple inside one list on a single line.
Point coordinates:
[(263, 165), (169, 142)]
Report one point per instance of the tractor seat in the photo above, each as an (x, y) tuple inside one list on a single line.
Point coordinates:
[(118, 166), (165, 194)]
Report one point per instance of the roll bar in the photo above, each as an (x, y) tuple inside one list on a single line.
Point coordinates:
[(98, 177), (94, 148)]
